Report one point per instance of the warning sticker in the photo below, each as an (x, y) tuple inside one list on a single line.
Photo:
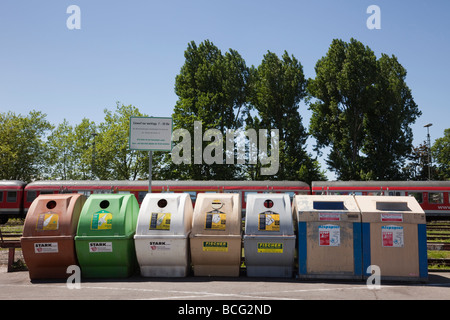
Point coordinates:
[(101, 220), (218, 246), (46, 247), (329, 235), (269, 221), (100, 247), (393, 217), (160, 221), (264, 247), (215, 220), (392, 236), (329, 216), (47, 222)]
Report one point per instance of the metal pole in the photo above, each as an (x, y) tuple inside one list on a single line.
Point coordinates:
[(150, 164), (429, 149)]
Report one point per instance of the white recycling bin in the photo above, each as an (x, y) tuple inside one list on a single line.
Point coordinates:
[(269, 240), (162, 235)]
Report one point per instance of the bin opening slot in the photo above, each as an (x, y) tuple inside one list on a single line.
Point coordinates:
[(328, 205), (393, 206)]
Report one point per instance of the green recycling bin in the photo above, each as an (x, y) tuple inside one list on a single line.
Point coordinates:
[(104, 242)]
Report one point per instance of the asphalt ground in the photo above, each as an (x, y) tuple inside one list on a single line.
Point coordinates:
[(17, 286)]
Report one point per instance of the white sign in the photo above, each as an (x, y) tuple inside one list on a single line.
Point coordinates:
[(151, 133)]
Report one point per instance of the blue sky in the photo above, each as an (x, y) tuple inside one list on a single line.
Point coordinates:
[(131, 51)]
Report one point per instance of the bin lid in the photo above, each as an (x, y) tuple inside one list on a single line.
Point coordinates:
[(326, 208), (390, 209), (165, 214), (217, 214), (108, 215), (268, 214), (53, 215)]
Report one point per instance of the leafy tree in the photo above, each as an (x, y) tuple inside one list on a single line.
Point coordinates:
[(441, 155), (22, 145), (211, 88), (277, 87), (70, 155), (113, 158), (362, 111)]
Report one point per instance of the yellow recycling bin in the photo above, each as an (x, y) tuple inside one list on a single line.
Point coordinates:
[(216, 235)]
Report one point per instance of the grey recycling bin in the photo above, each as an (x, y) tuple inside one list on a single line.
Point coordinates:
[(269, 240)]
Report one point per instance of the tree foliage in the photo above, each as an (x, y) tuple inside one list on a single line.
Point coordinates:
[(362, 111), (441, 155), (22, 145)]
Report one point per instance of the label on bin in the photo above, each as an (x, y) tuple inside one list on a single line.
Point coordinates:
[(160, 221), (269, 221), (101, 220), (330, 216), (392, 236), (397, 217), (47, 222), (215, 220), (100, 247), (266, 247), (218, 246), (46, 247), (329, 235)]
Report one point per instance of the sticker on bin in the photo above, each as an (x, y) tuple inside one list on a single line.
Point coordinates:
[(391, 217), (217, 246), (46, 247), (215, 220), (329, 235), (160, 221), (269, 221), (47, 222), (329, 216), (101, 220), (264, 247), (392, 236), (159, 246), (100, 247)]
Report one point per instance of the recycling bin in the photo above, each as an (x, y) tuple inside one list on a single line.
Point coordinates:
[(104, 242), (216, 235), (162, 235), (329, 237), (269, 239), (394, 237), (49, 230)]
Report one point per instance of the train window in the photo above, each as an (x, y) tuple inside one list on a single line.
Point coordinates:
[(46, 192), (435, 197), (141, 196), (247, 193), (193, 196), (31, 195), (11, 196), (1, 196), (417, 195)]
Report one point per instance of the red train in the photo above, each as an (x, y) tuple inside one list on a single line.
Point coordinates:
[(16, 196), (17, 205), (433, 196)]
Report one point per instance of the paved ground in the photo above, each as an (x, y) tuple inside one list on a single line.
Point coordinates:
[(17, 285)]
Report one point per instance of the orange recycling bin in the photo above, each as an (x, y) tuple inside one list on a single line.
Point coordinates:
[(49, 230)]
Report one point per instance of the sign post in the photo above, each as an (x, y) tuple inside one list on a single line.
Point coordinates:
[(151, 134)]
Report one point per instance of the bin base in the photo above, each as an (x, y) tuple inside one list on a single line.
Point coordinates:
[(216, 271), (164, 271), (269, 271), (330, 276)]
